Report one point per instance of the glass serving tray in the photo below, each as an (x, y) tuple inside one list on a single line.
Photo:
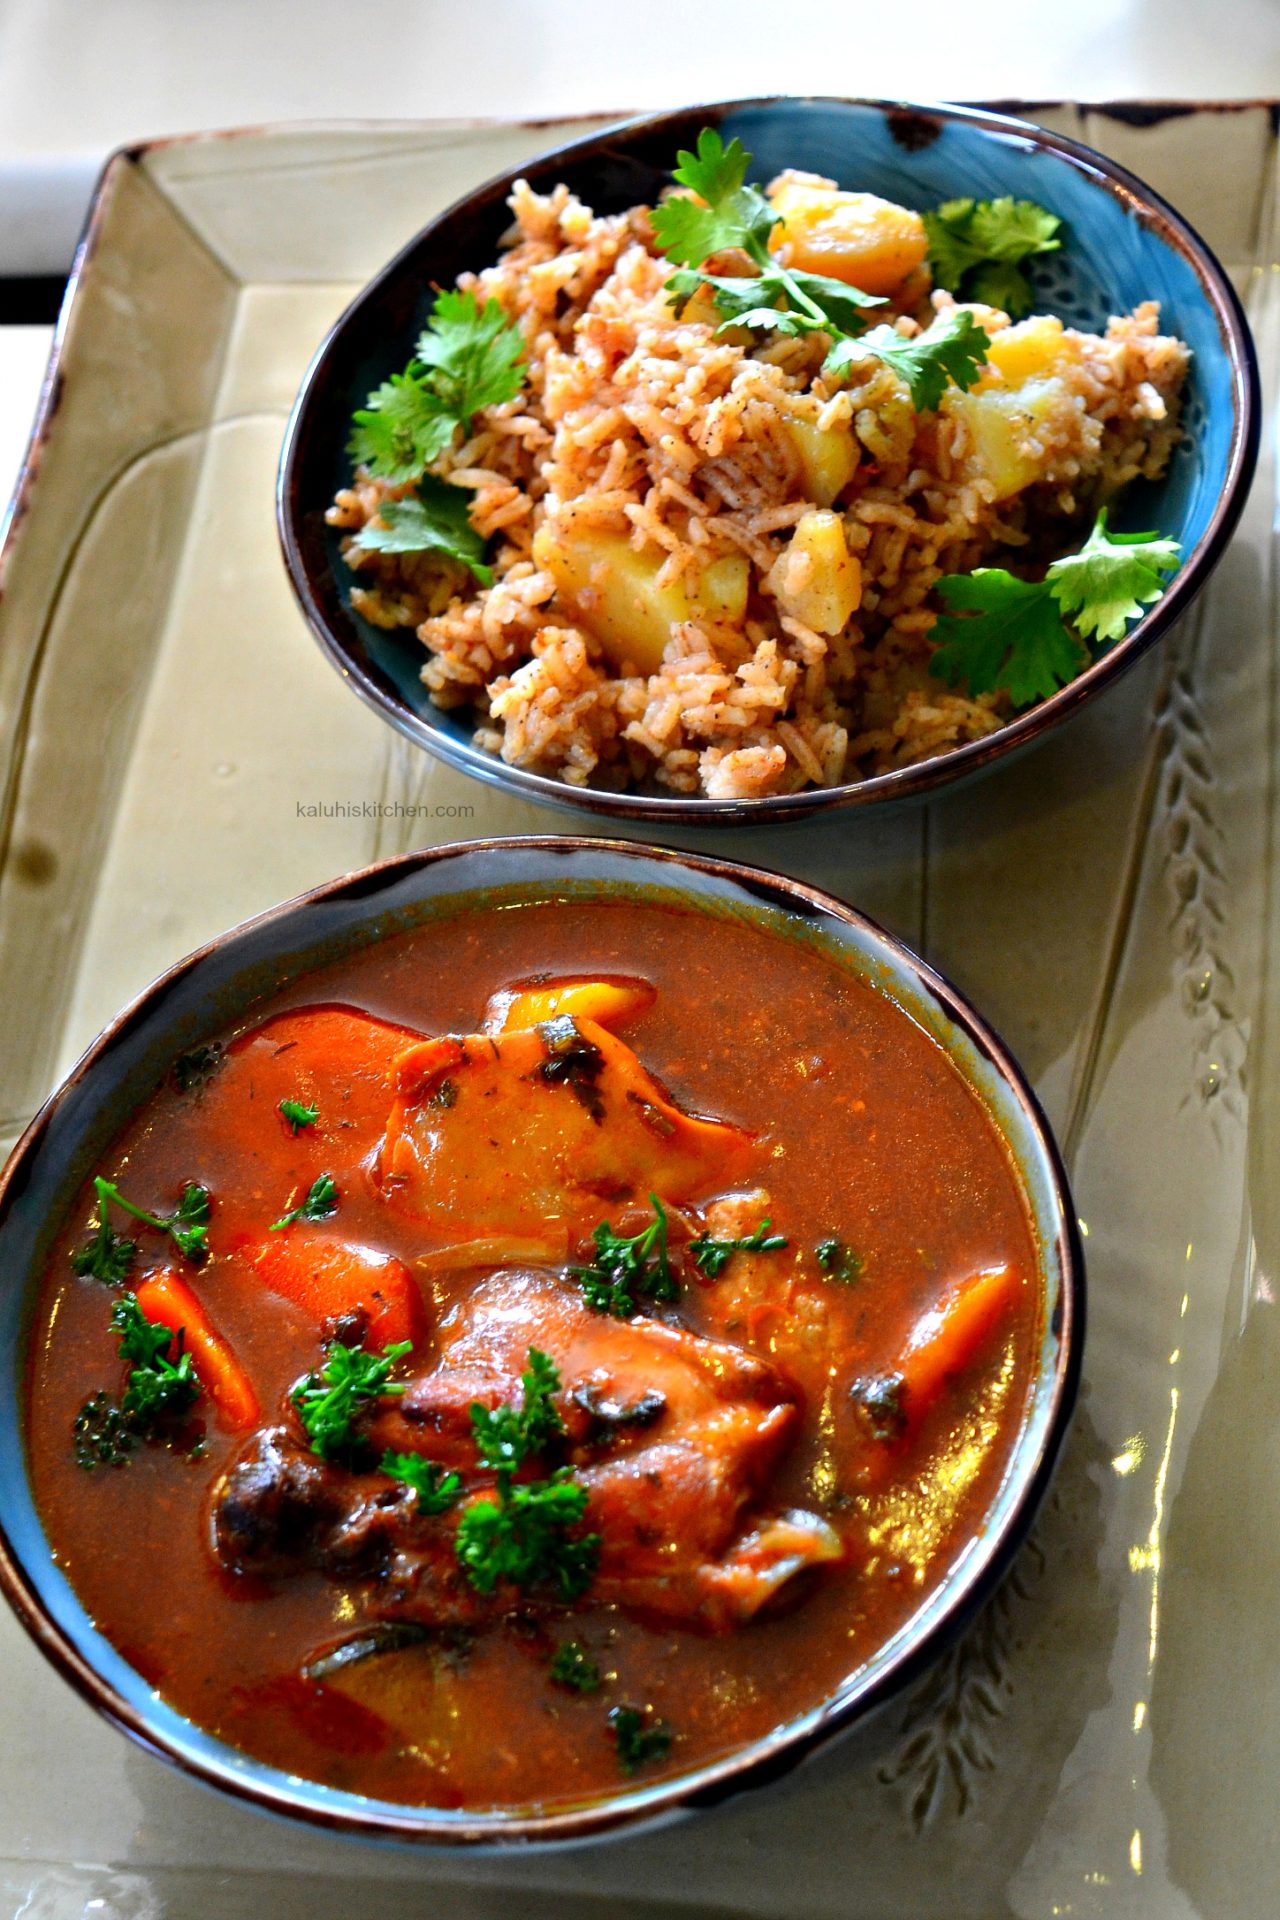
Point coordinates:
[(176, 754)]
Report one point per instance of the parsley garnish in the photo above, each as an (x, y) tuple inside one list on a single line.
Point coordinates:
[(1017, 641), (194, 1068), (639, 1737), (436, 519), (102, 1435), (838, 1260), (320, 1202), (436, 1490), (524, 1536), (187, 1226), (328, 1401), (108, 1256), (468, 358), (976, 245), (161, 1378), (776, 299), (713, 1256), (780, 299), (572, 1667), (953, 348), (298, 1115), (627, 1266)]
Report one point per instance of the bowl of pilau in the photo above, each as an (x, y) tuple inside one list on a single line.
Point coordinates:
[(769, 456)]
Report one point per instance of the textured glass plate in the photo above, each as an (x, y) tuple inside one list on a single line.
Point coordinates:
[(176, 754)]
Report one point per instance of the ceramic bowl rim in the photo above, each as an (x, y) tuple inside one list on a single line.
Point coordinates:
[(322, 606), (784, 1747)]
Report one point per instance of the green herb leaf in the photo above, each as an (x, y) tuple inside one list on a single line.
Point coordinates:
[(626, 1266), (572, 1667), (434, 520), (1112, 579), (1015, 641), (107, 1257), (713, 1256), (298, 1115), (161, 1379), (187, 1226), (102, 1437), (953, 349), (506, 1436), (838, 1260), (975, 247), (640, 1738), (468, 358), (321, 1201), (329, 1401), (436, 1490), (197, 1066), (525, 1537)]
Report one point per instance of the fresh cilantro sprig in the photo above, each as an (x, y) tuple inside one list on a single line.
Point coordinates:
[(468, 357), (626, 1266), (639, 1737), (322, 1200), (436, 1490), (435, 519), (161, 1381), (1003, 634), (713, 1255), (734, 215), (953, 348), (298, 1114), (976, 247), (525, 1537), (329, 1400), (107, 1257)]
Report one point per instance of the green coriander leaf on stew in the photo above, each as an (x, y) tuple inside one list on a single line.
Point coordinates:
[(713, 1255), (435, 519), (732, 214), (952, 350), (1003, 634), (403, 428), (1112, 579), (329, 1400), (298, 1114), (321, 1201), (472, 354), (639, 1737), (573, 1668), (436, 1490)]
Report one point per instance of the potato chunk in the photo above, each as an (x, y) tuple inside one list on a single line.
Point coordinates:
[(855, 237), (815, 578), (613, 591), (828, 459), (1031, 350), (1001, 423)]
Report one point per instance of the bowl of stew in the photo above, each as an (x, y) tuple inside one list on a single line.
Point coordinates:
[(525, 1340), (768, 456)]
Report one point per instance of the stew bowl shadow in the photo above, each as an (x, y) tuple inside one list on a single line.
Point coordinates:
[(1122, 244), (222, 984)]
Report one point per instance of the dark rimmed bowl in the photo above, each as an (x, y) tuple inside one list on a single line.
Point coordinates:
[(222, 982), (1123, 244)]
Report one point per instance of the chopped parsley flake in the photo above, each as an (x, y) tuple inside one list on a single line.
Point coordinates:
[(713, 1255), (640, 1738), (627, 1266), (436, 1490), (573, 1668), (321, 1201), (351, 1378), (298, 1115)]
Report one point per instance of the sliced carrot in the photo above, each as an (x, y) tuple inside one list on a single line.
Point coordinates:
[(328, 1278), (169, 1301), (949, 1339), (610, 1001)]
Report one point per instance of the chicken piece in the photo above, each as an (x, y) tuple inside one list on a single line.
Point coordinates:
[(673, 1435), (537, 1132)]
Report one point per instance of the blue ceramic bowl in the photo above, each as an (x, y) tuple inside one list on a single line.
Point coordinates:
[(1122, 244), (222, 982)]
